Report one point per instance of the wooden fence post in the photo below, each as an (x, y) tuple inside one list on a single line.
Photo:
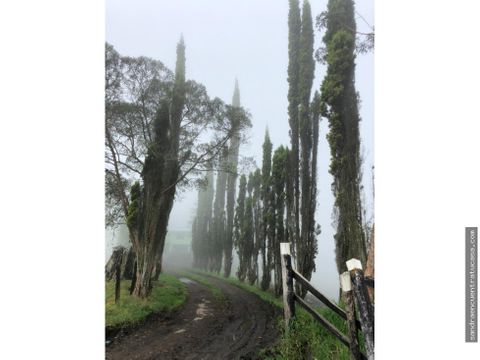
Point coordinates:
[(287, 284), (364, 306), (346, 285)]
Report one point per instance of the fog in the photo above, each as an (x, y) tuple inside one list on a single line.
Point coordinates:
[(247, 40)]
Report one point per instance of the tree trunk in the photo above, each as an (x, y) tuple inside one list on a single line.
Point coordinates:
[(158, 202), (128, 264), (155, 232), (158, 267), (219, 232), (370, 268), (118, 278), (231, 184), (134, 278)]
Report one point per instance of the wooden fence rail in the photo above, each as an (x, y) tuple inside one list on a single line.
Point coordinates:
[(351, 294), (334, 307)]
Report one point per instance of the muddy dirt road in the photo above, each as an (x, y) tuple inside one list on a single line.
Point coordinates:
[(205, 328)]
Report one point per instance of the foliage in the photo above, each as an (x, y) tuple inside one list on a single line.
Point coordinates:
[(134, 206), (163, 131), (255, 185), (233, 153), (218, 222), (240, 228), (201, 233), (293, 75), (279, 166), (168, 294), (135, 89), (337, 16), (267, 216), (306, 246), (301, 189), (339, 104)]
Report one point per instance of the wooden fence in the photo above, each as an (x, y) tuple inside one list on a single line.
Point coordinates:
[(355, 295)]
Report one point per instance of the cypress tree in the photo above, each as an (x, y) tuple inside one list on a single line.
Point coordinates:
[(202, 223), (232, 178), (219, 222), (294, 31), (256, 184), (239, 238), (279, 175), (339, 104), (306, 246), (248, 235), (268, 227)]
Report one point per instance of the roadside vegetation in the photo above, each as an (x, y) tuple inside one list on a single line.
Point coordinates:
[(168, 293), (307, 339)]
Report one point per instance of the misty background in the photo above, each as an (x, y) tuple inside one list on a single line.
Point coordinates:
[(247, 40)]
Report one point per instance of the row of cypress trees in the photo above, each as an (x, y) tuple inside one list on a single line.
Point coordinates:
[(212, 233), (277, 203)]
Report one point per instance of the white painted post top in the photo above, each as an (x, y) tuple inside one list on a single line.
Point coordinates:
[(285, 248), (354, 264), (345, 281)]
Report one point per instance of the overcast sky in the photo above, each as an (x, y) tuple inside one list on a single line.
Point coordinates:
[(248, 40)]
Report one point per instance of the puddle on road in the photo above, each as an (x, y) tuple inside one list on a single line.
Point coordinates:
[(179, 331), (202, 311), (186, 281)]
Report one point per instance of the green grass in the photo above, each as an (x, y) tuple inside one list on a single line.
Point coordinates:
[(264, 295), (306, 338), (216, 291), (168, 293)]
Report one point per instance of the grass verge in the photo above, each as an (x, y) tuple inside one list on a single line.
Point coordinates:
[(307, 339), (264, 295), (216, 291), (168, 293)]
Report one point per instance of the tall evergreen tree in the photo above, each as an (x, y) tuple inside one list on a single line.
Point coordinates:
[(239, 229), (279, 175), (314, 229), (256, 185), (202, 222), (232, 177), (339, 104), (268, 227), (300, 190), (248, 234), (307, 246), (219, 218), (294, 31)]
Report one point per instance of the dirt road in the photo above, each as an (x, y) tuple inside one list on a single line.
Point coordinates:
[(205, 328)]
